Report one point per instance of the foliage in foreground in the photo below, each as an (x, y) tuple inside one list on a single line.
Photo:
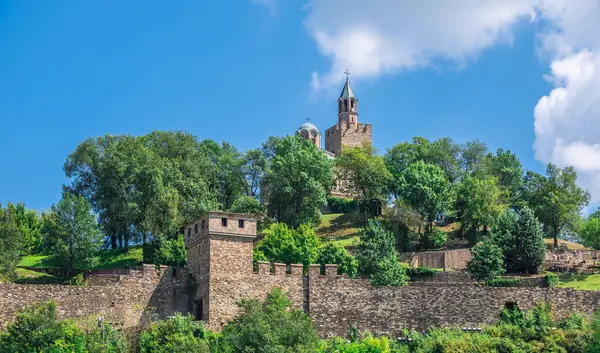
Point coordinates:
[(272, 326)]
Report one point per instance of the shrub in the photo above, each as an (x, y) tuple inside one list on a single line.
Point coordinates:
[(334, 253), (487, 261), (503, 282), (341, 205), (36, 329), (76, 280), (437, 238), (179, 334), (368, 344), (420, 272), (389, 273), (270, 326), (290, 246), (552, 279), (170, 252)]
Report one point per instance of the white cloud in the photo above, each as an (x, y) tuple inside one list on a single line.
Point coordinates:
[(567, 120), (375, 37)]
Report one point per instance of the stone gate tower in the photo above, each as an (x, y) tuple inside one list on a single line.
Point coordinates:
[(348, 131)]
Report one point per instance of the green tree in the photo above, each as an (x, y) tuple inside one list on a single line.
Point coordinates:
[(589, 231), (270, 326), (360, 170), (487, 261), (478, 203), (247, 204), (521, 239), (376, 255), (170, 252), (254, 170), (334, 253), (178, 334), (30, 226), (507, 167), (474, 158), (287, 245), (403, 220), (10, 243), (556, 199), (425, 189), (72, 233), (297, 182)]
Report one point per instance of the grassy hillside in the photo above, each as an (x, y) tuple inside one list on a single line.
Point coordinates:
[(106, 259), (571, 245), (340, 227), (582, 282)]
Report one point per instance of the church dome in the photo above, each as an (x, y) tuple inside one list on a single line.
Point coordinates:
[(308, 127)]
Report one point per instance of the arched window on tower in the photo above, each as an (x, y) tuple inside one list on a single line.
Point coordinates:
[(353, 104), (345, 105), (339, 106)]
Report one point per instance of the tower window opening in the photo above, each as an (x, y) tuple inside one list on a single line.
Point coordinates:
[(241, 223), (224, 222), (196, 228), (199, 310), (345, 105), (202, 225), (189, 232)]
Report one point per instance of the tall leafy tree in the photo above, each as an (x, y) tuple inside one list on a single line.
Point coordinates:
[(507, 167), (11, 243), (72, 232), (589, 231), (478, 202), (555, 198), (29, 224), (290, 246), (521, 239), (297, 182), (376, 255), (474, 158), (365, 174), (426, 189), (254, 169), (487, 261)]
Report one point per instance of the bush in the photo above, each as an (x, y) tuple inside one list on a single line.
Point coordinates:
[(289, 246), (420, 272), (437, 238), (270, 326), (36, 329), (247, 204), (487, 261), (367, 344), (76, 280), (170, 252), (179, 334), (334, 253), (389, 273), (552, 279), (503, 282), (341, 205)]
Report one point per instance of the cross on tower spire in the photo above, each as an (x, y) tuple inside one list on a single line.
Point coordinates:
[(347, 73)]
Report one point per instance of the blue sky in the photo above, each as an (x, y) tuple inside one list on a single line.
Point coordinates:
[(240, 71)]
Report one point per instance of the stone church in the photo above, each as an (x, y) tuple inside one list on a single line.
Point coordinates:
[(347, 132)]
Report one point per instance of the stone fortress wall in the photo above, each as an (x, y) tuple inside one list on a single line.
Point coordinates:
[(126, 298), (221, 273)]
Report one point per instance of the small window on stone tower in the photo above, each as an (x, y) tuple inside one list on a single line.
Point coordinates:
[(199, 310), (189, 232), (345, 105), (196, 228), (202, 225), (241, 223), (224, 222)]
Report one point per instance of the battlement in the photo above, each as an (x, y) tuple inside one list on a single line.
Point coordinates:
[(279, 269), (220, 223)]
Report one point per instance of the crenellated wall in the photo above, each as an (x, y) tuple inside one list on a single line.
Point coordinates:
[(127, 298)]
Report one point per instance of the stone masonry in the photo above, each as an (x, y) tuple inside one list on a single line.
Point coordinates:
[(220, 273)]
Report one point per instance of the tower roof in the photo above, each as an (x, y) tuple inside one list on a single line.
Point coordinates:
[(347, 91)]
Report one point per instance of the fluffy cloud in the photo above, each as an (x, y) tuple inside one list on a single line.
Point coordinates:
[(567, 120), (375, 37)]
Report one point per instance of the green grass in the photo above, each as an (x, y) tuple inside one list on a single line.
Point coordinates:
[(581, 282), (570, 245), (33, 277), (106, 259), (339, 224)]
